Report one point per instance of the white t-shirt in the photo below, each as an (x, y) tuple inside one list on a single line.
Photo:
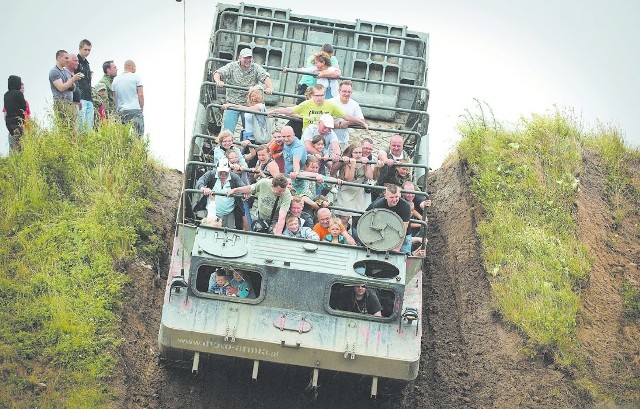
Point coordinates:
[(351, 107), (126, 86)]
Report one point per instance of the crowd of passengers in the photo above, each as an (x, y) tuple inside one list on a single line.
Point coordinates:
[(306, 179)]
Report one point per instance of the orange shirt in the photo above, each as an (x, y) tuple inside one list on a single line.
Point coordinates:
[(323, 231)]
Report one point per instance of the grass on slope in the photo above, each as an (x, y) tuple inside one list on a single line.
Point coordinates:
[(526, 181), (71, 207)]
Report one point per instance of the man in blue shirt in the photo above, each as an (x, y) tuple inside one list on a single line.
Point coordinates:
[(295, 155)]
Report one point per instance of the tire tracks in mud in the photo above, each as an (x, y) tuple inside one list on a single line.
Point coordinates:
[(470, 358)]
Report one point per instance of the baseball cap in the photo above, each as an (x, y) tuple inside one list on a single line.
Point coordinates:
[(223, 165), (246, 52), (327, 120)]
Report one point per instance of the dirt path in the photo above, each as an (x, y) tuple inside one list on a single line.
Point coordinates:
[(470, 358)]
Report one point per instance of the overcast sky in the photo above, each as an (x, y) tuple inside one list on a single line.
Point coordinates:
[(519, 56)]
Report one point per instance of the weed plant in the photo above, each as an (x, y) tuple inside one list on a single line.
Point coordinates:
[(526, 180), (617, 159), (72, 206)]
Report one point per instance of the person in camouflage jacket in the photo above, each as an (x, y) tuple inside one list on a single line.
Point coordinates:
[(110, 71)]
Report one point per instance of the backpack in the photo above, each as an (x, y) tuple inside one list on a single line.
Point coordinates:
[(262, 127)]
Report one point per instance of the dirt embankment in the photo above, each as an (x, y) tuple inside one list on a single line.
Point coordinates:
[(470, 357)]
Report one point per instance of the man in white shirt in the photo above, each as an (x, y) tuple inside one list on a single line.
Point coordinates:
[(349, 106), (325, 128), (129, 97)]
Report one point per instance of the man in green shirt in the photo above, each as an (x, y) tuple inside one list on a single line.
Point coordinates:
[(270, 193)]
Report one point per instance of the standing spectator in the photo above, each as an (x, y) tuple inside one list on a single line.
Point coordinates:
[(110, 72), (419, 202), (15, 111), (72, 66), (367, 148), (334, 236), (242, 73), (129, 97), (394, 152), (309, 190), (349, 106), (99, 94), (386, 157), (62, 84), (276, 148), (255, 126), (86, 119), (265, 166), (225, 143), (395, 174)]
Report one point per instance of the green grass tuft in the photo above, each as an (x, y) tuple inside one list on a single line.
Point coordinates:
[(72, 207), (526, 180)]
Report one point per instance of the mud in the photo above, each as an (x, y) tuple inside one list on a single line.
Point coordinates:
[(470, 359)]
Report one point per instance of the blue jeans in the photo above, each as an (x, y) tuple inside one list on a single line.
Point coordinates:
[(406, 245), (136, 118), (85, 116), (247, 212), (230, 120)]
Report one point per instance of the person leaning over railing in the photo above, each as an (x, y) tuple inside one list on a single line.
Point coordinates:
[(419, 203), (310, 190), (393, 201), (273, 198), (350, 106), (324, 127), (220, 180), (243, 73), (352, 197), (324, 72), (225, 143), (313, 109), (394, 174), (265, 166)]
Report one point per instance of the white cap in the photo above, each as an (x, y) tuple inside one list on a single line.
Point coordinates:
[(246, 52), (327, 120), (223, 165)]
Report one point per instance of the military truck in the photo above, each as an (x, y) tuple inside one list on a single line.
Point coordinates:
[(295, 314)]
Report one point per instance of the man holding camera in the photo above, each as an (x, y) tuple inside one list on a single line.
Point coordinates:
[(62, 84)]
